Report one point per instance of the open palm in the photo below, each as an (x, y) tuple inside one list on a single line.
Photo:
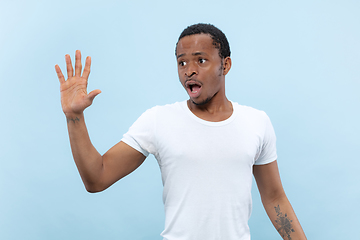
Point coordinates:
[(74, 96)]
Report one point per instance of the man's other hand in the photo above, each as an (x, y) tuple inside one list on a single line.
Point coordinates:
[(74, 96)]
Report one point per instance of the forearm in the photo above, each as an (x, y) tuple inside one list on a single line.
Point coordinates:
[(284, 219), (87, 158)]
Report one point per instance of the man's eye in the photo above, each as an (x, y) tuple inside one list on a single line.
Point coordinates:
[(182, 63), (201, 60)]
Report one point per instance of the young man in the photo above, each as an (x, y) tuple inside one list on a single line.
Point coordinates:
[(207, 147)]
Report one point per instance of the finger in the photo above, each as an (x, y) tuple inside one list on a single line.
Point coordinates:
[(78, 63), (59, 74), (93, 94), (87, 68), (69, 68)]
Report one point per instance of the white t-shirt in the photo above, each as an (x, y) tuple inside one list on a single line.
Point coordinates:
[(206, 167)]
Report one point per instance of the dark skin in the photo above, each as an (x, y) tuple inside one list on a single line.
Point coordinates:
[(202, 73), (199, 63), (98, 172)]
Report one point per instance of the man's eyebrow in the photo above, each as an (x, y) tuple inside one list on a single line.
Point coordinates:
[(179, 56)]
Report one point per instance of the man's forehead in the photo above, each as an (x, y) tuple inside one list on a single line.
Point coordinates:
[(196, 39), (197, 53)]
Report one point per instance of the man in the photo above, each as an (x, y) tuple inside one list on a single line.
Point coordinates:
[(207, 147)]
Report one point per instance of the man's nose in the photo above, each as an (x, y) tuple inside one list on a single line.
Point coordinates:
[(191, 70)]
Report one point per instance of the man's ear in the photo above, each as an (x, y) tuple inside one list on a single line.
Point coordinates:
[(227, 65)]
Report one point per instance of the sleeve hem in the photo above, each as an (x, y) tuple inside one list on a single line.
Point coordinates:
[(135, 146), (266, 161)]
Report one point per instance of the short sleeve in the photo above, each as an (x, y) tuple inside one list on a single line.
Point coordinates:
[(268, 147), (140, 135)]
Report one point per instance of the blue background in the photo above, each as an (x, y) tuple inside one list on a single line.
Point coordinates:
[(297, 60)]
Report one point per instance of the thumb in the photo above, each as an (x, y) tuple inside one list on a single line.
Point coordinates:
[(93, 94)]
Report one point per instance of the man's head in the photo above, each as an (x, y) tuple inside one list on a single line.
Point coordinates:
[(219, 39), (203, 57)]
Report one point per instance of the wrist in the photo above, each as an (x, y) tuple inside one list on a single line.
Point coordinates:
[(74, 117)]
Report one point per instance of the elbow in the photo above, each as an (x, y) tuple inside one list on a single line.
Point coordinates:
[(94, 188)]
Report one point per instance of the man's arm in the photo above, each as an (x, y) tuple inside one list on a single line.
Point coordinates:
[(97, 172), (276, 203)]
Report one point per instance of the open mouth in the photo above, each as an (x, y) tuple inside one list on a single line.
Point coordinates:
[(193, 86)]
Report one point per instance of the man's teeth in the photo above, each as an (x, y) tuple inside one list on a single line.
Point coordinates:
[(194, 88)]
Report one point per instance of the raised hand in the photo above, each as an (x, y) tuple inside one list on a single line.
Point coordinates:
[(74, 96)]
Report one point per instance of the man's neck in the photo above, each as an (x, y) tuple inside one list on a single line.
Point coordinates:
[(214, 111)]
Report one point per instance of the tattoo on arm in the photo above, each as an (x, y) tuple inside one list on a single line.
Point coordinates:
[(284, 224), (72, 120)]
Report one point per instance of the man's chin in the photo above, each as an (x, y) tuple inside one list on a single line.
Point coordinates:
[(201, 102)]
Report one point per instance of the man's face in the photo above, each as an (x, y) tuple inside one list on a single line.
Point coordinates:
[(200, 68)]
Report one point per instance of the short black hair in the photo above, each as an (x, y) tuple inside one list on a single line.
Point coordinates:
[(219, 39)]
